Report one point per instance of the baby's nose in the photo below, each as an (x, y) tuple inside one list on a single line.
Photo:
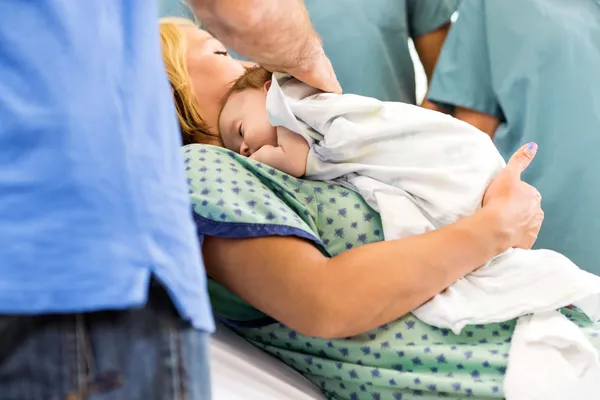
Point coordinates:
[(245, 150)]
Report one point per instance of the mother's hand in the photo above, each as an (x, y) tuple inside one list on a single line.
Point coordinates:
[(516, 203)]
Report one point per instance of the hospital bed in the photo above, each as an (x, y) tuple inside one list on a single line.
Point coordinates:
[(240, 371)]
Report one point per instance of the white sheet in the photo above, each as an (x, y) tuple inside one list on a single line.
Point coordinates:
[(240, 371)]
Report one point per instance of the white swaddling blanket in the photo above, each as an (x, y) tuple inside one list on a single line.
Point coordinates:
[(421, 170)]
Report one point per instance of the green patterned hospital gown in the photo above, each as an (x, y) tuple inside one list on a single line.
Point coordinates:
[(405, 359)]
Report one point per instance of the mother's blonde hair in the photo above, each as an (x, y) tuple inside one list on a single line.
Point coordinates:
[(174, 51)]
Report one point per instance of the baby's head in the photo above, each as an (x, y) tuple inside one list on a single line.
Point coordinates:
[(243, 123)]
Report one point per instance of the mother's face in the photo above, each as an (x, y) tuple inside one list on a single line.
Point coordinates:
[(211, 70)]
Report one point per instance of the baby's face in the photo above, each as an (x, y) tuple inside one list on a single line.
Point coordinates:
[(244, 125)]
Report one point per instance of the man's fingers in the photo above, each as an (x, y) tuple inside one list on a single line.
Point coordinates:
[(329, 86), (522, 158), (319, 74), (323, 80)]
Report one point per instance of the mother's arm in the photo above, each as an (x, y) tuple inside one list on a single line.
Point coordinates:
[(290, 280)]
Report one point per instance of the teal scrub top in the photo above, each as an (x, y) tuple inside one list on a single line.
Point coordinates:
[(535, 65), (367, 41)]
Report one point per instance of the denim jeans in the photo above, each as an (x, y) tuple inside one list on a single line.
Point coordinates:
[(145, 353)]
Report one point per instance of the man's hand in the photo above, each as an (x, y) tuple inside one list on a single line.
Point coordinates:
[(275, 33), (314, 69)]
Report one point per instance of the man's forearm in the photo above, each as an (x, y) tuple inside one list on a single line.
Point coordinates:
[(270, 32)]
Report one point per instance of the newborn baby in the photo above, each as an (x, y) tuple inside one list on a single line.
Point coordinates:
[(245, 128), (389, 152)]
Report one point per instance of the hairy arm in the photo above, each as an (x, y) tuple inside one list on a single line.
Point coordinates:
[(484, 122), (290, 280), (277, 34), (267, 31)]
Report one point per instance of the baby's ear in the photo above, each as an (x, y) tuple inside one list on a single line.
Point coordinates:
[(267, 85)]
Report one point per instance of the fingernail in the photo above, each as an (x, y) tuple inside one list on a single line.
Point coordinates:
[(531, 147)]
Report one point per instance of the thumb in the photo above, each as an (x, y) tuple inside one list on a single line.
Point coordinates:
[(318, 74), (522, 158)]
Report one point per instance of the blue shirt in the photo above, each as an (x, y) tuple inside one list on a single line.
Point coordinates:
[(367, 41), (535, 65), (93, 198)]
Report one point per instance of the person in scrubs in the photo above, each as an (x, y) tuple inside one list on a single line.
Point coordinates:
[(528, 71), (102, 288), (367, 42)]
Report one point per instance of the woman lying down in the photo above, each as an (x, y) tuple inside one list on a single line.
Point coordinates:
[(298, 267), (422, 170)]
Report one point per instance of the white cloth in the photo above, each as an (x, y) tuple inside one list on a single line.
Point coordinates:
[(240, 371), (554, 357), (421, 170)]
